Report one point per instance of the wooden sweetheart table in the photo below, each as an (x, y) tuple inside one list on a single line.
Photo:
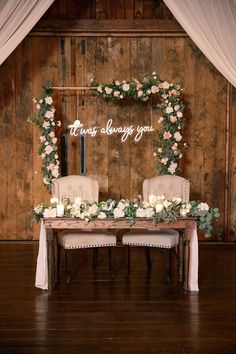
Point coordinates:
[(188, 245)]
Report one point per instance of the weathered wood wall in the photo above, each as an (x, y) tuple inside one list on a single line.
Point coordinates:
[(53, 52)]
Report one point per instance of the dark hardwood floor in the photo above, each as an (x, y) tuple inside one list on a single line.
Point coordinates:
[(96, 315)]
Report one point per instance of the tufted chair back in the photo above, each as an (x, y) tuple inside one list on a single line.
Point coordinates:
[(76, 186), (170, 186)]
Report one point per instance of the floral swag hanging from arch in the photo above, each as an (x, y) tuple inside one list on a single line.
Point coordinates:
[(169, 143)]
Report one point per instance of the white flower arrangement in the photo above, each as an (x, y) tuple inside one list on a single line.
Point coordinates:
[(171, 107), (159, 209), (45, 120)]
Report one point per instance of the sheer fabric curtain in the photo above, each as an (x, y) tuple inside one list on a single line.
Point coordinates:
[(17, 18), (212, 26)]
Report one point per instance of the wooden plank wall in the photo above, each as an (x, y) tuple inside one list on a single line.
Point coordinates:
[(120, 168)]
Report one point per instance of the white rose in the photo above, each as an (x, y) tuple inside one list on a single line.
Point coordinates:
[(48, 100), (169, 110), (117, 83), (159, 150), (164, 160), (41, 100), (43, 155), (154, 89), (179, 114), (116, 93), (51, 134), (121, 205), (46, 125), (149, 212), (176, 108), (165, 85), (140, 93), (118, 213), (172, 167), (93, 209), (48, 149), (38, 106), (203, 206), (108, 90), (125, 87), (177, 136), (54, 140), (102, 215), (58, 123), (49, 114)]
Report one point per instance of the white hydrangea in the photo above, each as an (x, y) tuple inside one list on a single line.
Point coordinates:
[(118, 213), (140, 213)]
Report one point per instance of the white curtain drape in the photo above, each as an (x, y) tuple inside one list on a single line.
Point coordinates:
[(211, 24), (17, 18)]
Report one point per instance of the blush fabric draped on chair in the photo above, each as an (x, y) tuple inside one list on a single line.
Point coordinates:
[(87, 189), (170, 187)]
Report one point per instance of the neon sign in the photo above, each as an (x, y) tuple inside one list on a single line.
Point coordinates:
[(126, 131)]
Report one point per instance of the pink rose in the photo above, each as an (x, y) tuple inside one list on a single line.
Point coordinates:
[(167, 135)]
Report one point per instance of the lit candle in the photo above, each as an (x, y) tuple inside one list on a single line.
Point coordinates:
[(183, 212), (77, 200), (54, 200), (151, 198), (60, 210), (159, 207)]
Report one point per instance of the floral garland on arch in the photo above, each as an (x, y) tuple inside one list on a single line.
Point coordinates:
[(45, 120), (169, 138)]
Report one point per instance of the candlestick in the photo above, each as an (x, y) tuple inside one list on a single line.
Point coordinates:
[(60, 210)]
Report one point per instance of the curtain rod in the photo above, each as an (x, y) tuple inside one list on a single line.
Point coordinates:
[(74, 88)]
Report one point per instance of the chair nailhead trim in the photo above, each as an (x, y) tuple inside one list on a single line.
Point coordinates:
[(148, 245), (90, 246)]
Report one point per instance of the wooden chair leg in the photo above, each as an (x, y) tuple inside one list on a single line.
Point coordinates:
[(67, 266), (168, 264), (58, 262), (112, 261), (95, 258), (127, 259), (148, 257)]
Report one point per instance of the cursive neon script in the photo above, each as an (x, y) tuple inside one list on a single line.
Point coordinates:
[(109, 129)]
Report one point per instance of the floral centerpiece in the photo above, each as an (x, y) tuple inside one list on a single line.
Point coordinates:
[(157, 210)]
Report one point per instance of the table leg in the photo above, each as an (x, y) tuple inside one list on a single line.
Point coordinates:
[(51, 257), (186, 263), (181, 255)]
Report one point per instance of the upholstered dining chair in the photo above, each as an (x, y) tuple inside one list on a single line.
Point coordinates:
[(87, 189), (170, 186)]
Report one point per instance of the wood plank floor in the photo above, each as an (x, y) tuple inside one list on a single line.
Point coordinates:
[(96, 315)]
